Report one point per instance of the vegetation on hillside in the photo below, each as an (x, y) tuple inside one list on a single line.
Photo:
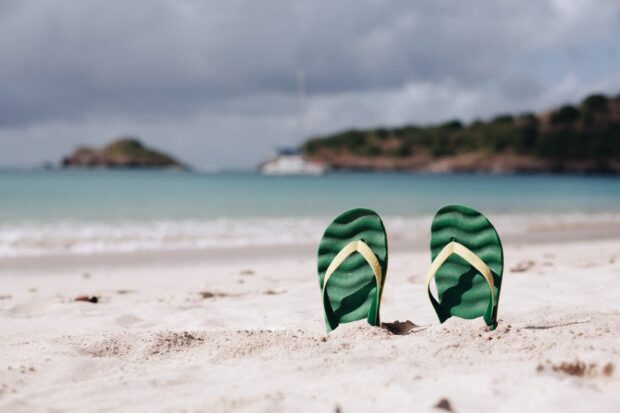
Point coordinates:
[(122, 153), (584, 137)]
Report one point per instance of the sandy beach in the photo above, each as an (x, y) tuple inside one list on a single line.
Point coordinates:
[(242, 330)]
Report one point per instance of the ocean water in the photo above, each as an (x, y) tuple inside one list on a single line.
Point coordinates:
[(84, 212)]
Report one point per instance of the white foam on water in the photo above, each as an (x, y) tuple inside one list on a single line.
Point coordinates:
[(83, 238), (33, 239)]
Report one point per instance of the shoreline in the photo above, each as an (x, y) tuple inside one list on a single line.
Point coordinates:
[(539, 235)]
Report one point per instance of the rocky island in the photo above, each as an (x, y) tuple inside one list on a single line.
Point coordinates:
[(584, 138), (124, 152)]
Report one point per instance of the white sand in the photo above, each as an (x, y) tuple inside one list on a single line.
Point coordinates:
[(153, 343)]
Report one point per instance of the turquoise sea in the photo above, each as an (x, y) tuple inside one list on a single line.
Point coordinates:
[(76, 211)]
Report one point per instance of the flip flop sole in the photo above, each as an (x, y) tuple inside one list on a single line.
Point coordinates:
[(463, 292), (352, 288)]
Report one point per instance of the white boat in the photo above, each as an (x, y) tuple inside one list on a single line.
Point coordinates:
[(291, 162)]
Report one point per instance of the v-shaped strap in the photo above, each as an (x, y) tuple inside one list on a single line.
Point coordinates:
[(468, 255), (365, 251)]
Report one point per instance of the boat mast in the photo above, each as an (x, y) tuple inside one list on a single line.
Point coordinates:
[(301, 104)]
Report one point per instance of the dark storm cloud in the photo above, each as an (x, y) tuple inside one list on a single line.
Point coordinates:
[(80, 62), (65, 59)]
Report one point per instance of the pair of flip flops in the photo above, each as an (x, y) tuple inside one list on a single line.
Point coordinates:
[(467, 265)]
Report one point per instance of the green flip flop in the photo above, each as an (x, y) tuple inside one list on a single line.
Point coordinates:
[(352, 264), (467, 264)]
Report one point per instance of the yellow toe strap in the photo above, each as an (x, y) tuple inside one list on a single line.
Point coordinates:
[(462, 251), (365, 251)]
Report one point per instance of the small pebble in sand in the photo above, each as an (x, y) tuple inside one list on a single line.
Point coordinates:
[(274, 292), (247, 272), (399, 328), (444, 404), (210, 294), (89, 299), (523, 266)]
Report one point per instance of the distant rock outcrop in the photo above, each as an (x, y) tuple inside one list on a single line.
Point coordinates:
[(122, 153)]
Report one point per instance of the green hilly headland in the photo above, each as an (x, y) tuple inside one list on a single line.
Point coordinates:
[(126, 152), (582, 138)]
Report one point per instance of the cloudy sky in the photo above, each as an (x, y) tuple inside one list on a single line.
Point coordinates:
[(214, 82)]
